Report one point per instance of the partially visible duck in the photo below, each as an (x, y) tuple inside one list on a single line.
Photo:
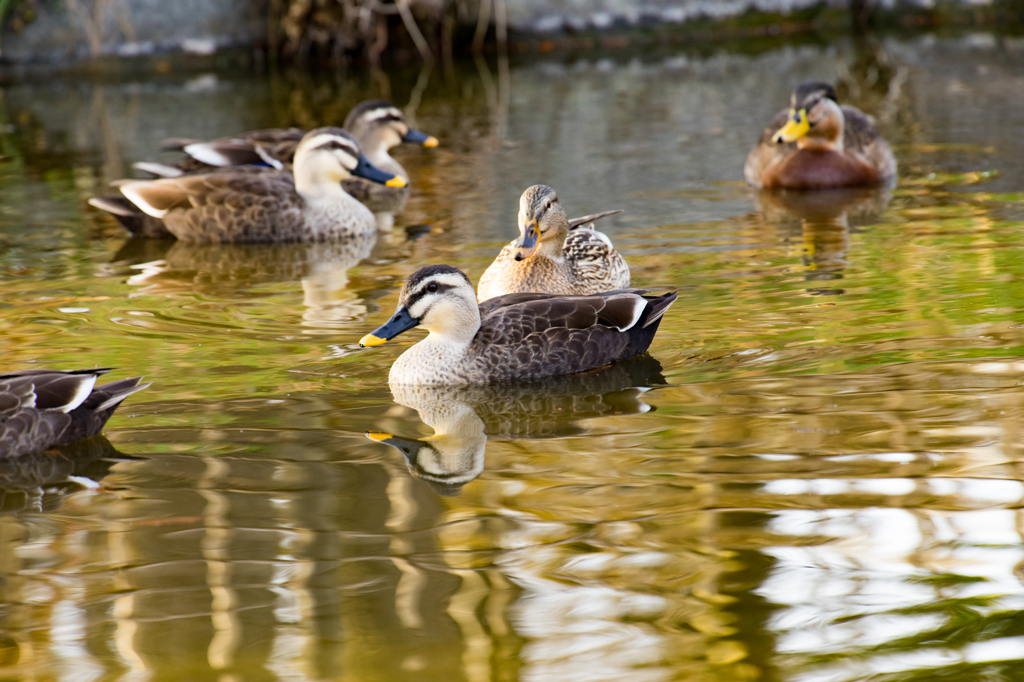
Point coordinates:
[(246, 205), (514, 337), (43, 408), (554, 255), (378, 125), (817, 143)]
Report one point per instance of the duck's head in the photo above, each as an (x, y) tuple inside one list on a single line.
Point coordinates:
[(439, 298), (543, 224), (379, 125), (815, 117), (330, 155)]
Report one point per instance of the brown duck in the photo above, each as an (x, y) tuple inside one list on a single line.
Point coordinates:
[(817, 143), (554, 255)]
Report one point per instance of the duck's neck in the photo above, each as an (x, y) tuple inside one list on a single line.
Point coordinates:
[(551, 248), (377, 152), (438, 359), (820, 144), (314, 185), (828, 132), (455, 331)]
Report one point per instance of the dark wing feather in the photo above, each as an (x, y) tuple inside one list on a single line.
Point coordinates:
[(89, 418), (525, 336), (577, 222), (31, 420), (134, 219)]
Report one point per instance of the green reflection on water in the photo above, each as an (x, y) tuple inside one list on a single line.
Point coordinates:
[(823, 481)]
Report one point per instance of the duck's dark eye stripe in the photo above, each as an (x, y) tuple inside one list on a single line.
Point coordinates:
[(441, 287), (335, 144), (389, 117)]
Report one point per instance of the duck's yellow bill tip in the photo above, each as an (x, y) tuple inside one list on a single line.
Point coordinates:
[(378, 436), (431, 142), (371, 340), (397, 181)]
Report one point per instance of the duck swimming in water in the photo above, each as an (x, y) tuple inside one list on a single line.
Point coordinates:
[(242, 205), (817, 144), (44, 408), (513, 337)]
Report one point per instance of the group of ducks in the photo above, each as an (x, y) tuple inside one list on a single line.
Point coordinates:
[(555, 301)]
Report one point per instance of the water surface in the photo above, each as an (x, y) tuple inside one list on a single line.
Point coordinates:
[(816, 476)]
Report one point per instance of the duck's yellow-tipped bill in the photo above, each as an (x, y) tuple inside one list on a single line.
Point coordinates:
[(397, 181), (795, 128), (431, 141), (371, 340), (401, 321), (378, 436)]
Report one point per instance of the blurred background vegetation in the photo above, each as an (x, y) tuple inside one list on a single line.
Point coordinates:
[(372, 31)]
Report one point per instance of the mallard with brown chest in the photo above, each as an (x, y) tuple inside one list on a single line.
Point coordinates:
[(818, 144), (41, 408), (378, 125), (554, 255), (514, 337), (238, 206)]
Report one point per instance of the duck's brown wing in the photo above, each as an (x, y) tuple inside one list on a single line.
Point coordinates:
[(862, 137), (225, 206), (767, 152), (526, 336)]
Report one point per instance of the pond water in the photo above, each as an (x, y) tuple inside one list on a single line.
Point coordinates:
[(816, 475)]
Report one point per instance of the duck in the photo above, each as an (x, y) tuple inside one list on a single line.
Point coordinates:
[(377, 124), (307, 204), (46, 408), (514, 337), (554, 255), (818, 144)]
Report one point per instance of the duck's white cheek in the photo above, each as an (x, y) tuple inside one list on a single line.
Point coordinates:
[(418, 310)]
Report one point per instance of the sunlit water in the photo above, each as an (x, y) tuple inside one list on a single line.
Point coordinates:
[(817, 476)]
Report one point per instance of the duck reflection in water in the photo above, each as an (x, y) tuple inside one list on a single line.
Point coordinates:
[(463, 417), (171, 268), (39, 481), (823, 220)]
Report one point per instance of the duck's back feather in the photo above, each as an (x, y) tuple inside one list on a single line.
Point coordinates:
[(595, 262), (225, 207)]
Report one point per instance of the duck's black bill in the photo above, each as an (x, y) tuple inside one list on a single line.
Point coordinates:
[(400, 322), (365, 169), (416, 137)]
